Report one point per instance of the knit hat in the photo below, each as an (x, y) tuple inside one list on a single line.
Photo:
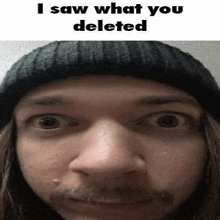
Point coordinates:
[(141, 59)]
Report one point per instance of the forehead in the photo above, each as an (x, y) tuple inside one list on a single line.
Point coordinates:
[(91, 87)]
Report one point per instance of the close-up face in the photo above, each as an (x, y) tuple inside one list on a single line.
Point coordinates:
[(109, 147)]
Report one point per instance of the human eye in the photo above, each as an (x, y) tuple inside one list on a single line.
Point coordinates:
[(51, 122), (168, 120)]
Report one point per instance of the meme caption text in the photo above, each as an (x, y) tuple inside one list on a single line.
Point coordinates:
[(113, 8)]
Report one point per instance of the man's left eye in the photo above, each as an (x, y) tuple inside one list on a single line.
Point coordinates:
[(51, 121), (166, 120), (169, 121)]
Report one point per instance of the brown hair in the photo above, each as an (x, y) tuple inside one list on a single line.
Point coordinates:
[(19, 202)]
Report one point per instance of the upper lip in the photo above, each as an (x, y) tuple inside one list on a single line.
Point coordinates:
[(110, 202)]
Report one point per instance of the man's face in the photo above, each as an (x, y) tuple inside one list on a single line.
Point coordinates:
[(108, 147)]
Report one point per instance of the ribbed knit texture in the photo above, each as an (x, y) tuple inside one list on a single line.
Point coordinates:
[(149, 60)]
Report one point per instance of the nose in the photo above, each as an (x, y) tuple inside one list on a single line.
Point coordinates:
[(108, 149)]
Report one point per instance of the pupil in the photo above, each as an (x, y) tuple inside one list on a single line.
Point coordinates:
[(48, 122), (168, 121)]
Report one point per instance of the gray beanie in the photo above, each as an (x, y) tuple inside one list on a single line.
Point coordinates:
[(141, 59)]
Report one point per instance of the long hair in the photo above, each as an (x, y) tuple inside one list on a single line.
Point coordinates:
[(19, 202)]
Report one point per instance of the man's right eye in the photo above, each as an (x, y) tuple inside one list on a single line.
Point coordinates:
[(52, 122)]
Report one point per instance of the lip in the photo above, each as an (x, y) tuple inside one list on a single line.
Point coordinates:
[(109, 204), (108, 209)]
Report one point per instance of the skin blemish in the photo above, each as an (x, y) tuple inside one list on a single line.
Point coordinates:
[(56, 181)]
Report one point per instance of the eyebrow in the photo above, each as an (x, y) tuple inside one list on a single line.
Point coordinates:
[(155, 100), (145, 101), (46, 101)]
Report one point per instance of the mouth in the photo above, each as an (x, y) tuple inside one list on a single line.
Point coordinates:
[(109, 205), (109, 209), (103, 202), (113, 202)]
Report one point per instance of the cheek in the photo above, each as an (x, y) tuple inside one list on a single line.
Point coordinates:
[(42, 166), (177, 167)]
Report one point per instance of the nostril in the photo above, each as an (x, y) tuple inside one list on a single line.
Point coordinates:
[(142, 157), (82, 173)]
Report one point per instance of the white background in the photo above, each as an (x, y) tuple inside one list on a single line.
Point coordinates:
[(19, 20)]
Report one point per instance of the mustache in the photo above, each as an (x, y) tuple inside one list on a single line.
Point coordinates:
[(122, 194)]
